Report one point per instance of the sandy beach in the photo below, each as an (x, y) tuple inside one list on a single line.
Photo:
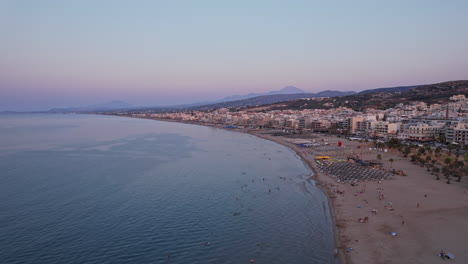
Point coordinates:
[(426, 215)]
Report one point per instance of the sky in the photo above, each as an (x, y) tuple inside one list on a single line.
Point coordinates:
[(78, 52)]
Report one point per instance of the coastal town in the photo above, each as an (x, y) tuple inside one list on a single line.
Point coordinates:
[(222, 132), (416, 122), (389, 174)]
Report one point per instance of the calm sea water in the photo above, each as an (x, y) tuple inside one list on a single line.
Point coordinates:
[(99, 189)]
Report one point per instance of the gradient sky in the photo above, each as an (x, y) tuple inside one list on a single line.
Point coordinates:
[(75, 53)]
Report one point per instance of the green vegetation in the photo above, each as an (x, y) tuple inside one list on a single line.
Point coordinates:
[(435, 161), (433, 93)]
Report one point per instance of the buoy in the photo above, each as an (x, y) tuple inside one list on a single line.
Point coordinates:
[(252, 261)]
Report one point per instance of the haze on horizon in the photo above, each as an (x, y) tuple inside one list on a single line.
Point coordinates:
[(76, 53)]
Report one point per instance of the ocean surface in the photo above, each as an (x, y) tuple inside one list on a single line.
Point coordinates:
[(102, 189)]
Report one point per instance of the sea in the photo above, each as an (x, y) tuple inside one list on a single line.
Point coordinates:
[(106, 189)]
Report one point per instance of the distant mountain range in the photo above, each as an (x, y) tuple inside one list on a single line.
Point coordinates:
[(390, 89), (285, 90), (290, 96), (286, 93), (383, 98), (270, 99)]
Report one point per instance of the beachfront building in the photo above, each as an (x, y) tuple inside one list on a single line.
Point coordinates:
[(420, 132), (292, 123), (415, 121), (456, 133), (353, 124), (384, 129), (461, 133), (365, 127), (319, 125)]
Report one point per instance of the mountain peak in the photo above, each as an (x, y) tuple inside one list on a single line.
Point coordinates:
[(290, 90), (285, 90)]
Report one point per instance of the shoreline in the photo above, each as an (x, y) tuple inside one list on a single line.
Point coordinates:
[(425, 215), (314, 175), (318, 184)]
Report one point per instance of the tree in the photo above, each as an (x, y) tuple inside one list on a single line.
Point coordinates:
[(391, 162), (458, 174), (394, 143), (420, 160), (459, 164), (446, 171), (422, 150), (406, 151), (400, 149), (428, 149), (450, 148), (379, 145), (436, 171), (438, 150), (428, 158), (448, 160), (441, 139)]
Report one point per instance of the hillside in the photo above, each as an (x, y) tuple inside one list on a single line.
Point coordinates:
[(285, 90), (269, 99), (389, 89), (383, 99)]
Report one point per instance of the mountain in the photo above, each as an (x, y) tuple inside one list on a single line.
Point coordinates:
[(270, 99), (285, 90), (330, 93), (390, 89), (288, 90), (255, 101), (383, 98)]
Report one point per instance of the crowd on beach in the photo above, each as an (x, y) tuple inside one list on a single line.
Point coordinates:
[(346, 179)]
